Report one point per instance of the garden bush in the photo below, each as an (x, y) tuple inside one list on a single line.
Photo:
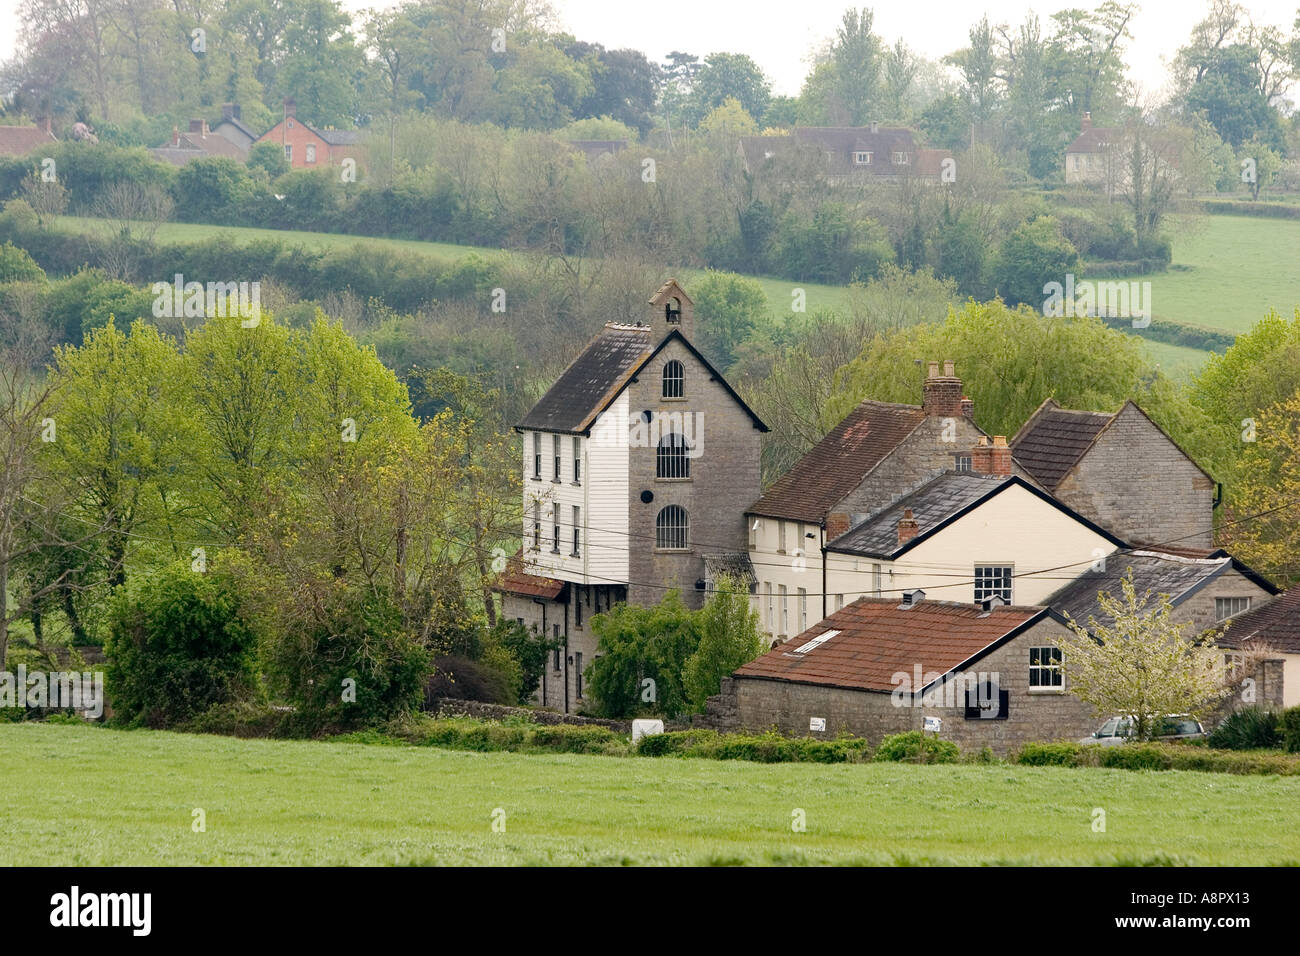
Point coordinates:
[(1060, 754), (917, 747), (1249, 728), (1289, 725), (178, 643)]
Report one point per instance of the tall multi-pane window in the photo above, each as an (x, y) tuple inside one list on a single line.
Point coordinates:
[(577, 531), (555, 525), (537, 455), (781, 535), (577, 670), (785, 610), (537, 526), (803, 610), (577, 460), (672, 529), (673, 457), (555, 450), (771, 612), (992, 580), (674, 379)]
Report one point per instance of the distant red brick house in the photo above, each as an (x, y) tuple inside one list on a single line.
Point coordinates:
[(309, 148), (21, 140)]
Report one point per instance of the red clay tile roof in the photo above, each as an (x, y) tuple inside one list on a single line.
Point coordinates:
[(839, 462), (516, 580), (21, 140), (1054, 439), (1275, 625), (878, 639)]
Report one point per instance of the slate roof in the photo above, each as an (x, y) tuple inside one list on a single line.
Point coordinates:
[(1275, 625), (880, 638), (191, 145), (837, 464), (21, 140), (1051, 443), (337, 137), (601, 371), (592, 380), (933, 504), (1154, 571), (735, 563)]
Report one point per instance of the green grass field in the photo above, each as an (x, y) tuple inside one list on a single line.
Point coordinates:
[(1229, 272), (1226, 274), (91, 796)]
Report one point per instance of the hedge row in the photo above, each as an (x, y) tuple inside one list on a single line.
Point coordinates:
[(1264, 210), (1175, 333), (770, 747), (1154, 756)]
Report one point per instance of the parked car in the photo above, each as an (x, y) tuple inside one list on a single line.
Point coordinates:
[(1118, 730)]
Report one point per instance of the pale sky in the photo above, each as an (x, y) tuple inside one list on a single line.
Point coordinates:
[(779, 34)]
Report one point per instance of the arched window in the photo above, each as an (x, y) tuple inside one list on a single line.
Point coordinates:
[(674, 379), (672, 457), (672, 529)]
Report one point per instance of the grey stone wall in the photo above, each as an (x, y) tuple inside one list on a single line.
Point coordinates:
[(724, 481), (921, 456), (1137, 484)]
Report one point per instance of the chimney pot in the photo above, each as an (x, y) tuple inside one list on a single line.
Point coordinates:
[(932, 370), (942, 395), (949, 368)]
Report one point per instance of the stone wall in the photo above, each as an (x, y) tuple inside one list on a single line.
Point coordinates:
[(1137, 484), (724, 481)]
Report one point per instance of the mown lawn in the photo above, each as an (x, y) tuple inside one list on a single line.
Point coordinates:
[(1228, 272), (86, 796)]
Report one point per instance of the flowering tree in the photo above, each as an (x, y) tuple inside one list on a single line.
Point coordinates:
[(1142, 663)]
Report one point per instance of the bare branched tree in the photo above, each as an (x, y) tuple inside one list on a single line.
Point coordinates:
[(130, 214)]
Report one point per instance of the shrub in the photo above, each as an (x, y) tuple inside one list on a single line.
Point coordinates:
[(1132, 756), (568, 738), (178, 644), (357, 644), (917, 747), (17, 265), (1062, 754), (1289, 725), (1249, 728)]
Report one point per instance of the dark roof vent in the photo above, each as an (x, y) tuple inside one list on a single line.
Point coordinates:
[(912, 598)]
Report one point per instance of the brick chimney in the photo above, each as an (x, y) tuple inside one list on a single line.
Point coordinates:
[(907, 527), (290, 107), (942, 393), (176, 136), (968, 408), (199, 126), (1086, 122), (991, 458), (837, 523), (230, 111)]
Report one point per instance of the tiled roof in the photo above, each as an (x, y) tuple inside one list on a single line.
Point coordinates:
[(932, 504), (193, 145), (21, 140), (880, 638), (838, 463), (592, 380), (338, 137), (1054, 439), (1275, 625), (1154, 572), (516, 580), (1095, 140)]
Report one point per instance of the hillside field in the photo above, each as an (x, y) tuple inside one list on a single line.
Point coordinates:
[(91, 796)]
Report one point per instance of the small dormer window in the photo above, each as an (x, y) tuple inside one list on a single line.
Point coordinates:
[(862, 158), (673, 312), (900, 159)]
